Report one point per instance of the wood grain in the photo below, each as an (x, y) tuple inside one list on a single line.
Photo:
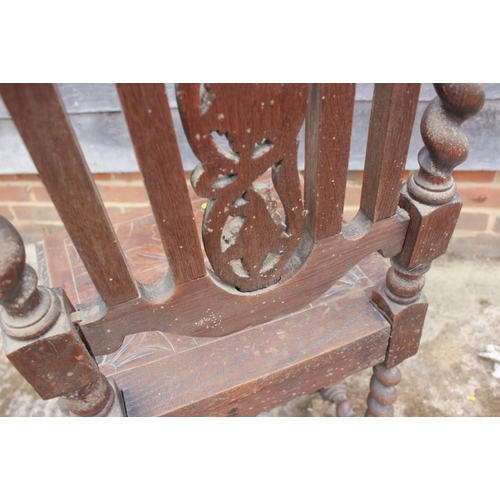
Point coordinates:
[(150, 125), (44, 126), (431, 201), (262, 367), (391, 122), (204, 308), (238, 132), (383, 391), (328, 141)]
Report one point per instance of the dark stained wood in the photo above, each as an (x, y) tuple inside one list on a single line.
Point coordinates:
[(29, 311), (44, 126), (431, 201), (391, 122), (430, 230), (328, 141), (203, 344), (202, 308), (40, 340), (238, 132), (262, 367), (383, 393), (150, 125), (338, 395)]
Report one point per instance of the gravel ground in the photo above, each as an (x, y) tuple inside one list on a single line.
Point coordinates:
[(445, 378)]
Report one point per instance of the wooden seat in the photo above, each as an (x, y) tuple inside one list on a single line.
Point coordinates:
[(281, 299)]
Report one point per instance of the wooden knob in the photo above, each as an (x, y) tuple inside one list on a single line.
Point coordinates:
[(12, 258), (446, 146)]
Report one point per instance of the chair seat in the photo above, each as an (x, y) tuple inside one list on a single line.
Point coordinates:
[(244, 373), (259, 368)]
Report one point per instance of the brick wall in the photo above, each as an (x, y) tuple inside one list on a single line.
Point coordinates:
[(25, 202)]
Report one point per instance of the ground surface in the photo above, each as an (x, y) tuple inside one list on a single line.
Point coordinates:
[(446, 377)]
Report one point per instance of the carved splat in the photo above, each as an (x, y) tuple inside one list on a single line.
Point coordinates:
[(238, 134)]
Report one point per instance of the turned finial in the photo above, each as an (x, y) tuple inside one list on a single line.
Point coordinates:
[(12, 259), (29, 310), (446, 146)]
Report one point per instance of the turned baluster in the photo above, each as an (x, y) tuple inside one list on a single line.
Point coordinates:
[(383, 391), (338, 395), (430, 197), (41, 341)]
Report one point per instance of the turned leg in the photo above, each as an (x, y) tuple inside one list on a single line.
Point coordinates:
[(383, 391), (338, 395)]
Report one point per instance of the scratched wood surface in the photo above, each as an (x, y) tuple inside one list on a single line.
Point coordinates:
[(328, 141), (200, 306), (150, 125), (259, 368), (391, 122), (238, 132)]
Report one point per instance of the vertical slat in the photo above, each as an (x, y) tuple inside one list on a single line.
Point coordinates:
[(391, 122), (39, 115), (328, 140), (150, 125)]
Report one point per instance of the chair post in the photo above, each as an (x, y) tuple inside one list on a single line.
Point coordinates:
[(430, 197), (41, 341)]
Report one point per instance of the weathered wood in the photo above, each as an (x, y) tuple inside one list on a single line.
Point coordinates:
[(393, 113), (105, 141), (383, 393), (150, 125), (28, 311), (97, 98), (259, 368), (431, 201), (244, 326), (43, 124), (40, 340), (246, 238), (403, 304), (202, 308), (338, 395), (328, 138)]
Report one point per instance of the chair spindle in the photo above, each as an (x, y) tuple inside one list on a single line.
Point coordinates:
[(150, 125), (328, 140)]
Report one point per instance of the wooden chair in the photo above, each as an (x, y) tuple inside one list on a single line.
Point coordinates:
[(282, 299)]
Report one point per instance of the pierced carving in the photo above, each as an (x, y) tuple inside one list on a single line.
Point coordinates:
[(238, 132)]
